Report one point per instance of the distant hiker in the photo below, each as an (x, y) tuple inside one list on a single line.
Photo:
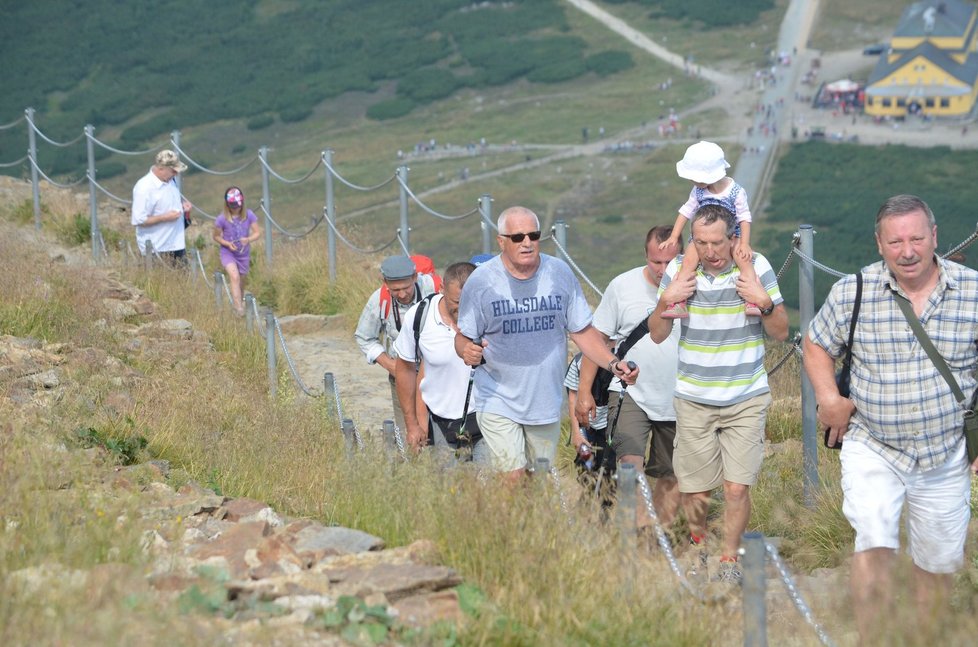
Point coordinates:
[(704, 165), (722, 392), (381, 322), (426, 349), (234, 230), (520, 306), (158, 211)]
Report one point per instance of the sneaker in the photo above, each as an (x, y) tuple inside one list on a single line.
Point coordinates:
[(730, 573), (678, 311), (751, 310)]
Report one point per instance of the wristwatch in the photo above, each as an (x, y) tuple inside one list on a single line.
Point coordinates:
[(611, 366), (768, 310)]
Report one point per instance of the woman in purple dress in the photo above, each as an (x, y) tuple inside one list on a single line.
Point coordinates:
[(234, 230)]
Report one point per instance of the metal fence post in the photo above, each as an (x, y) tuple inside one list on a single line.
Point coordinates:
[(332, 393), (806, 310), (330, 215), (249, 301), (148, 257), (92, 197), (266, 199), (194, 262), (755, 610), (485, 206), (560, 237), (541, 466), (218, 284), (32, 155), (402, 173), (349, 437), (626, 503), (175, 140), (390, 440), (270, 352)]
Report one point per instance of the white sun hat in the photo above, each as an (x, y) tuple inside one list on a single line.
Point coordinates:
[(703, 162)]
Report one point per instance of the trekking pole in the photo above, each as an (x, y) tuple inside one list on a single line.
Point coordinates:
[(612, 428), (463, 432)]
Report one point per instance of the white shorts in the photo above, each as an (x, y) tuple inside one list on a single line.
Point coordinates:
[(938, 506), (513, 446)]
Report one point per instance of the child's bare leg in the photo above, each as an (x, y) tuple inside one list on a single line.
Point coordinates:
[(687, 268), (746, 268)]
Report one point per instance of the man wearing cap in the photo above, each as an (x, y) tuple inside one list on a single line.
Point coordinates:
[(382, 318), (520, 306), (158, 209), (445, 381)]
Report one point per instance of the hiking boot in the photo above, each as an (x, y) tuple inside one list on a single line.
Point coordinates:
[(751, 310), (730, 573), (678, 311)]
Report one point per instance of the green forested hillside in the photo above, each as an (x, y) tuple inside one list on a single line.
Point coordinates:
[(110, 62), (838, 188)]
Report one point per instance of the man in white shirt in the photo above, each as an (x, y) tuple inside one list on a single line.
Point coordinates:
[(445, 378), (158, 209), (647, 418)]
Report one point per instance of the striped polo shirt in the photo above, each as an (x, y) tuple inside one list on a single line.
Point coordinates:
[(905, 410), (721, 349)]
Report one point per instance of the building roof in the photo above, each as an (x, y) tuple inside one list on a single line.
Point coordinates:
[(935, 18), (966, 72)]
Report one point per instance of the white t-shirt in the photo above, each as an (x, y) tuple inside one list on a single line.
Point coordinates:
[(446, 377), (627, 301), (153, 197)]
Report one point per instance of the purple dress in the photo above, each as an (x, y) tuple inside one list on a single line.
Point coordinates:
[(234, 231)]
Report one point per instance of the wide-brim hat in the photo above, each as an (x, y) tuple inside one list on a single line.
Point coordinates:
[(394, 268), (703, 163)]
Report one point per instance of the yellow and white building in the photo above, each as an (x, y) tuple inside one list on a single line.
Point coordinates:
[(931, 67)]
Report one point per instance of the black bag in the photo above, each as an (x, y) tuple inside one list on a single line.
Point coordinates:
[(461, 429), (602, 379), (843, 377), (970, 429), (186, 219)]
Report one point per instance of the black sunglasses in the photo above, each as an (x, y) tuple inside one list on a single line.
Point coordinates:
[(518, 238)]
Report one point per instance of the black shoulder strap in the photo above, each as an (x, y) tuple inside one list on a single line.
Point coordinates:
[(420, 315), (640, 331), (847, 362), (396, 307)]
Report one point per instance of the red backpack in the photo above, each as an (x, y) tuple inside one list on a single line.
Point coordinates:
[(423, 265)]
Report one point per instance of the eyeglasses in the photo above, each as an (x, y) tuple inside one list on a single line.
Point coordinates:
[(518, 238)]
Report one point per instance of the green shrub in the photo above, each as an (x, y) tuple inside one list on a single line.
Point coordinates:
[(294, 114), (106, 170), (259, 122), (712, 13), (427, 84), (610, 62), (390, 109)]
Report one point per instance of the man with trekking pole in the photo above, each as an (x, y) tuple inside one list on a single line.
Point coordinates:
[(521, 305), (426, 347), (645, 414)]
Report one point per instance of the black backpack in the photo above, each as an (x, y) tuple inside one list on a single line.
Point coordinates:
[(602, 380)]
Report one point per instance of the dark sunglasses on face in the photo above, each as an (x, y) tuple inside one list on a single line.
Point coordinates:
[(518, 238)]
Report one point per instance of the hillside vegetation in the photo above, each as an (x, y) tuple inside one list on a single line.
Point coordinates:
[(186, 63)]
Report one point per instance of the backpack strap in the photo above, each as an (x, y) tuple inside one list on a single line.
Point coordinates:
[(640, 331), (420, 317)]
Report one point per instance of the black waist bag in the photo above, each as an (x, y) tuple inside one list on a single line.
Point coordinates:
[(468, 427)]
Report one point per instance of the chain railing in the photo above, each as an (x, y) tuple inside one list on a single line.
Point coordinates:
[(356, 187), (17, 163), (575, 266), (211, 171)]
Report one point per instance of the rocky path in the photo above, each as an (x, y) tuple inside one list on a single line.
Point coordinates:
[(320, 344)]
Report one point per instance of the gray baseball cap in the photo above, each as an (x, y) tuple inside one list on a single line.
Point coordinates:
[(397, 267)]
